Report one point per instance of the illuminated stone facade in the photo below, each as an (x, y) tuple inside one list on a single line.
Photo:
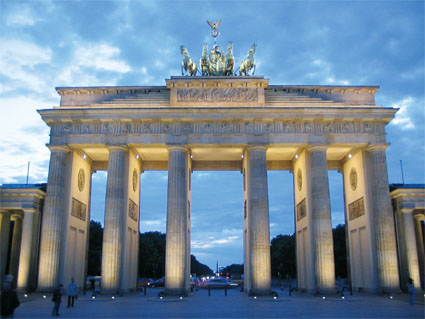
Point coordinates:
[(219, 123)]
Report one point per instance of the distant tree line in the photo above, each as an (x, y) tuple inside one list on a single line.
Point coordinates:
[(152, 255)]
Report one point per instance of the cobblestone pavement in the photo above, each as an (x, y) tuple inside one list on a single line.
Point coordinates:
[(217, 305)]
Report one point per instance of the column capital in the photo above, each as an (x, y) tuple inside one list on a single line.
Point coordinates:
[(375, 147), (178, 147), (117, 147), (256, 147), (63, 148), (16, 216), (312, 148), (5, 213)]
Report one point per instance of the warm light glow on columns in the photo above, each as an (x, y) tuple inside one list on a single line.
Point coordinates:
[(410, 246), (16, 247), (258, 224), (25, 254), (176, 261), (115, 207), (51, 229), (4, 241), (386, 250), (321, 220), (420, 245)]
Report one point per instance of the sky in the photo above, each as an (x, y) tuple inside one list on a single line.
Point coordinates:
[(46, 44)]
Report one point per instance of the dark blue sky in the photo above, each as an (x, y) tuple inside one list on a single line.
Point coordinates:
[(47, 44)]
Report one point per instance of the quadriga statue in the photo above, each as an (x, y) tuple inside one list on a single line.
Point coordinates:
[(248, 63), (188, 64)]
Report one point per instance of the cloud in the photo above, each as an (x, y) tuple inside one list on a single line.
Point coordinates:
[(22, 16), (402, 117), (19, 62), (207, 244)]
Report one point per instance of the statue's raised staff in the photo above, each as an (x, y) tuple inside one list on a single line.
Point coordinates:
[(188, 64), (248, 63), (230, 60), (204, 62)]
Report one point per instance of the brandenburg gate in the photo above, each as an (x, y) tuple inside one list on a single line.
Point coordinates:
[(239, 123)]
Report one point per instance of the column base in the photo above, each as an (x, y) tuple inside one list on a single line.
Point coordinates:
[(174, 292), (260, 292)]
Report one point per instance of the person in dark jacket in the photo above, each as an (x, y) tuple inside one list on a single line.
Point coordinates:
[(57, 298), (9, 300)]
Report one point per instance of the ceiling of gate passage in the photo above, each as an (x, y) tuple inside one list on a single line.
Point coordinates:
[(203, 154)]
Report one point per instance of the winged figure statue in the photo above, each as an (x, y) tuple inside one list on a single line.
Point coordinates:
[(214, 25)]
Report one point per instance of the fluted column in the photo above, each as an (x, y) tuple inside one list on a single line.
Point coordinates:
[(321, 221), (51, 229), (114, 210), (176, 244), (411, 249), (25, 254), (383, 221), (4, 241), (258, 225), (16, 247), (420, 246)]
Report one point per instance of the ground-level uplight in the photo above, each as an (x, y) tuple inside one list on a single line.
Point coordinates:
[(93, 297), (113, 297), (391, 297), (26, 296), (44, 296), (323, 297)]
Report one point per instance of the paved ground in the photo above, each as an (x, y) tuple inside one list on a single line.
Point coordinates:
[(235, 305)]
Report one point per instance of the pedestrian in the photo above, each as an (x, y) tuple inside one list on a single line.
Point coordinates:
[(340, 283), (92, 286), (72, 293), (9, 300), (57, 298), (411, 287)]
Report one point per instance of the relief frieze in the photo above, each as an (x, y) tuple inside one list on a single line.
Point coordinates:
[(217, 95), (78, 209), (218, 127), (133, 210), (356, 209)]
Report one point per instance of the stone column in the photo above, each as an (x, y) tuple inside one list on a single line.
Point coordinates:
[(25, 254), (114, 210), (258, 225), (386, 250), (410, 246), (324, 263), (420, 246), (176, 244), (16, 247), (4, 242), (51, 229)]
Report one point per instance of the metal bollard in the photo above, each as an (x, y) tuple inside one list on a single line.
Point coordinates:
[(225, 290), (144, 290), (209, 291)]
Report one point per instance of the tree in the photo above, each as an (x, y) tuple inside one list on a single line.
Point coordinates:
[(199, 269), (152, 255), (234, 270), (95, 249), (283, 263), (340, 251)]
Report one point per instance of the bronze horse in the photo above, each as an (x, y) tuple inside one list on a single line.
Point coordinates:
[(249, 62), (188, 64)]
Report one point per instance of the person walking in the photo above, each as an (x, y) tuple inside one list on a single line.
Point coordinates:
[(57, 298), (9, 300), (411, 287), (72, 293)]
